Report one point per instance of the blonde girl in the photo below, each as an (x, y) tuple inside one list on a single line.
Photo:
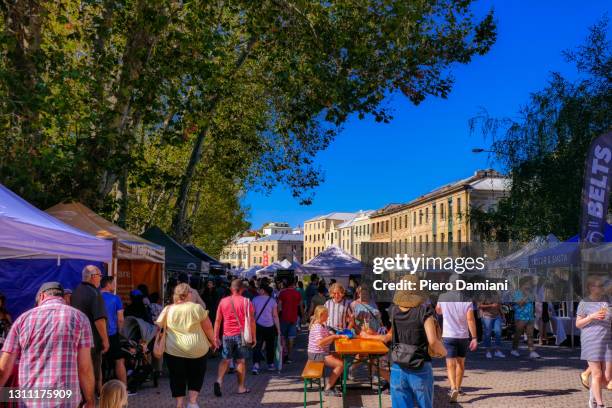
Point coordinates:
[(113, 395), (319, 340)]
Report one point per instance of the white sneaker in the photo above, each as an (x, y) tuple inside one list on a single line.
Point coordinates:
[(592, 401), (500, 354), (533, 354), (515, 353), (454, 394), (488, 355)]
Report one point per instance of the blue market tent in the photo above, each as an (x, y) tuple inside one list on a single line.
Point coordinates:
[(36, 247), (564, 254)]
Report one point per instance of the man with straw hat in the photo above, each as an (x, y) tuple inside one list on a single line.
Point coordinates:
[(413, 336)]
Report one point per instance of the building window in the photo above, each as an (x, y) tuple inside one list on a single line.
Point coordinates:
[(387, 226), (420, 217), (442, 237), (441, 211), (400, 222), (459, 208), (394, 224), (459, 236), (433, 238), (413, 219), (426, 215)]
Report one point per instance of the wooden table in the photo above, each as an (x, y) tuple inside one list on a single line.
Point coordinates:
[(348, 349)]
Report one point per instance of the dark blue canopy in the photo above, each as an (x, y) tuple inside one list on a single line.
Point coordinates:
[(565, 254)]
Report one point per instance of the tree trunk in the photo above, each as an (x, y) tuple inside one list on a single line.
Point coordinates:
[(123, 198), (179, 221)]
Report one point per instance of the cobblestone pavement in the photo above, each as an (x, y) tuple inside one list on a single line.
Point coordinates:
[(551, 381)]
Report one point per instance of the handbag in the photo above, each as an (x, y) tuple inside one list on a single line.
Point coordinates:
[(405, 355), (160, 338), (243, 334), (431, 352), (248, 335)]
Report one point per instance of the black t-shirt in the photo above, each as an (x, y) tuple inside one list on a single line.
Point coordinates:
[(409, 327), (88, 299)]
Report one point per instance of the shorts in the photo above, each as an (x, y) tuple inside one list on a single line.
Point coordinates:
[(288, 330), (114, 351), (233, 348), (317, 356), (456, 347)]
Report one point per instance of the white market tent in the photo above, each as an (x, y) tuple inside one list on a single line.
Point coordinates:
[(36, 248), (333, 262), (273, 267), (519, 260), (27, 232)]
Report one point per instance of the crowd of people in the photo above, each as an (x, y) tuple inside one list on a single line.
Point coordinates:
[(67, 339)]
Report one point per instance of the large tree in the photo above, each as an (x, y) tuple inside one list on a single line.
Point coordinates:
[(249, 91), (545, 150)]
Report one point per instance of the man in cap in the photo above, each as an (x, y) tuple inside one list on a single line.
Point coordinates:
[(88, 299), (231, 317), (53, 343)]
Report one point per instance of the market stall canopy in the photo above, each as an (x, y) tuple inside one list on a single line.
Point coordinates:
[(128, 246), (195, 251), (26, 231), (178, 259), (564, 254), (600, 254), (272, 268), (333, 262), (520, 258), (251, 272)]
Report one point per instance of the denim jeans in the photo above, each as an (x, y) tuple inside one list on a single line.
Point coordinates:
[(492, 324), (412, 385)]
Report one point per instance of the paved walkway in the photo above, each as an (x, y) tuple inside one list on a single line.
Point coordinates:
[(509, 383)]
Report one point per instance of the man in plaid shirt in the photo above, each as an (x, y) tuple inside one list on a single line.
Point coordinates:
[(52, 343)]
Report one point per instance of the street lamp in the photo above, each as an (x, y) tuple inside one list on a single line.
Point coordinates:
[(481, 150)]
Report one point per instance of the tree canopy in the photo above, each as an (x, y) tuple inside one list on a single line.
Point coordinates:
[(545, 149), (176, 107)]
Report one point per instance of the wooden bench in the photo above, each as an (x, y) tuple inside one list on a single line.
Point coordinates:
[(313, 371)]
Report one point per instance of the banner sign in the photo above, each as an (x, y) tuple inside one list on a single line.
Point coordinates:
[(596, 190)]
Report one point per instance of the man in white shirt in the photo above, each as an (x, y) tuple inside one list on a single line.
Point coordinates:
[(458, 325)]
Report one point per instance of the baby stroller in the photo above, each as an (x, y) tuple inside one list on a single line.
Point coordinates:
[(137, 346)]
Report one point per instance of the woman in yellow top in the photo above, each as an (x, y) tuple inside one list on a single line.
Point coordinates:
[(189, 334)]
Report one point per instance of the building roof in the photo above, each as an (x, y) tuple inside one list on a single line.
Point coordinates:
[(244, 240), (343, 216), (282, 237), (488, 179), (358, 215), (387, 209)]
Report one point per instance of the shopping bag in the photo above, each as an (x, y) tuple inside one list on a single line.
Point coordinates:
[(278, 354)]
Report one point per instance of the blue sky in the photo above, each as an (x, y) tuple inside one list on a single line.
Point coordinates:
[(371, 164)]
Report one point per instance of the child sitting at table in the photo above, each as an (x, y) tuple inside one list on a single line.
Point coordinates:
[(319, 340)]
